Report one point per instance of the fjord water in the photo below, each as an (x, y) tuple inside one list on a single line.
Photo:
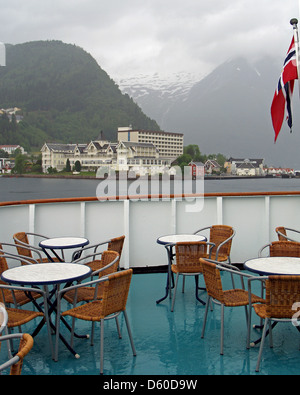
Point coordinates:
[(25, 188)]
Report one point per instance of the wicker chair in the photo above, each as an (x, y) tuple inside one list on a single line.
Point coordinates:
[(281, 294), (225, 298), (187, 263), (115, 293), (110, 261), (17, 297), (18, 317), (33, 254), (281, 248), (16, 363), (283, 234), (115, 244), (221, 236)]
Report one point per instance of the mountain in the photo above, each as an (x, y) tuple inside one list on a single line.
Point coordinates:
[(227, 111), (64, 96), (156, 94)]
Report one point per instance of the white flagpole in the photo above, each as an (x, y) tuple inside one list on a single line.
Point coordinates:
[(294, 23)]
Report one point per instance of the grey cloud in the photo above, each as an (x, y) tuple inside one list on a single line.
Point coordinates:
[(127, 36)]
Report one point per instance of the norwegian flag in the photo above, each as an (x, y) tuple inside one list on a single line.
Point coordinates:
[(281, 105)]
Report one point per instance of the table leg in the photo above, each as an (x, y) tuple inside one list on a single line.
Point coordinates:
[(49, 308), (169, 283), (197, 288), (45, 320), (54, 253), (252, 344)]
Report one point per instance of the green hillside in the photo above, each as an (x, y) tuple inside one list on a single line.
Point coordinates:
[(64, 96)]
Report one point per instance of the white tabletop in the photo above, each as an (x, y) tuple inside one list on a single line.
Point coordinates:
[(274, 265), (45, 273), (173, 239), (64, 242)]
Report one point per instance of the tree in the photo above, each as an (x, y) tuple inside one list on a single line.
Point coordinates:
[(194, 151), (68, 166), (3, 154), (77, 166), (20, 163)]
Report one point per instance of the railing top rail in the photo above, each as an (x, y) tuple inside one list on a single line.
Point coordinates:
[(146, 197)]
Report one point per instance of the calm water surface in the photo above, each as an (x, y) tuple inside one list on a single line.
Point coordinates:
[(14, 189)]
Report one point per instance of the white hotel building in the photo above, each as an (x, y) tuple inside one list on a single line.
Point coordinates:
[(142, 152)]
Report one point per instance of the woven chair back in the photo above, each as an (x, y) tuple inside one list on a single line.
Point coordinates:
[(285, 248), (188, 254), (218, 234), (115, 292), (282, 230), (22, 237), (281, 293), (116, 244), (106, 258), (212, 280)]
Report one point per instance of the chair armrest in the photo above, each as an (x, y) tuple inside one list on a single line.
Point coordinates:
[(233, 270), (25, 289), (77, 254), (37, 235), (200, 230), (93, 255), (262, 279), (261, 250), (21, 258), (289, 238)]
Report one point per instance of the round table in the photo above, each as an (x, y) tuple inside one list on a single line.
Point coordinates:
[(44, 274), (62, 243), (179, 238), (274, 265)]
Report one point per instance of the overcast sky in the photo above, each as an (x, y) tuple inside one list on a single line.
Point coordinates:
[(129, 37)]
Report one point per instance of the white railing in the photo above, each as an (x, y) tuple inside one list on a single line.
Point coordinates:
[(254, 217)]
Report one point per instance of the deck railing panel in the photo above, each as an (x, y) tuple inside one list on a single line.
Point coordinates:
[(149, 220), (191, 217), (254, 217)]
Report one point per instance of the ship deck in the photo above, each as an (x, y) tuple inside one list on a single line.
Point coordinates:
[(168, 343)]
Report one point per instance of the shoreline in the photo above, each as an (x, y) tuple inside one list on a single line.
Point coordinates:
[(81, 177)]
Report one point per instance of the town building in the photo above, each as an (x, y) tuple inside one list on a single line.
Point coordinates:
[(169, 145), (212, 166), (245, 167), (128, 154), (197, 169), (10, 149)]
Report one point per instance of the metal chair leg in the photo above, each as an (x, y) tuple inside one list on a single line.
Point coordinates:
[(222, 330), (129, 332), (205, 316), (174, 294), (262, 344), (101, 345)]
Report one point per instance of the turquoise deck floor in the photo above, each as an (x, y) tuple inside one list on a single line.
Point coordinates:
[(168, 343)]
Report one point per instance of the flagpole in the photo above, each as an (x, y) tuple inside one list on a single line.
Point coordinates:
[(294, 23)]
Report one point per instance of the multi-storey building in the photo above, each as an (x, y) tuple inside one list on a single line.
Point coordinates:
[(169, 145)]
